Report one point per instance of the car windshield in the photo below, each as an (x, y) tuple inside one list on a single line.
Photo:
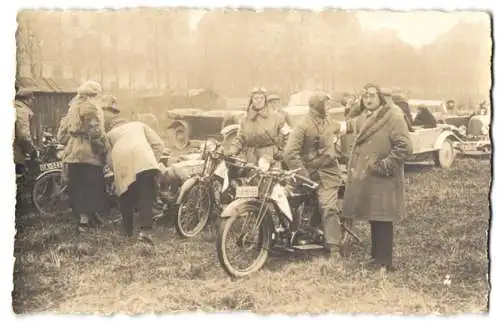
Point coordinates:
[(434, 106)]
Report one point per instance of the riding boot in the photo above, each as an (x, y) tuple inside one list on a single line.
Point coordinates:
[(331, 229)]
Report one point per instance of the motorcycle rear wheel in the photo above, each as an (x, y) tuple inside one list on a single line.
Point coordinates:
[(264, 243)]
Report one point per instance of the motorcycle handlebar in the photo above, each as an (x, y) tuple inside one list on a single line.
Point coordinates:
[(307, 181)]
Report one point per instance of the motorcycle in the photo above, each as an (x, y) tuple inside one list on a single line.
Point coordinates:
[(43, 181), (168, 187), (205, 194), (279, 211)]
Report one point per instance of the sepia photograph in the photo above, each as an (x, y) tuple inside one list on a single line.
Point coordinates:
[(348, 150)]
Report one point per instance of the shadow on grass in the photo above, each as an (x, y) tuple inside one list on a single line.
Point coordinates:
[(418, 167)]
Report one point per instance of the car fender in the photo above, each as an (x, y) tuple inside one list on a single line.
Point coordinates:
[(447, 134), (228, 129), (186, 186)]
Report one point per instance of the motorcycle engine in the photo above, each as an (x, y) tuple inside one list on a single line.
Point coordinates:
[(307, 231)]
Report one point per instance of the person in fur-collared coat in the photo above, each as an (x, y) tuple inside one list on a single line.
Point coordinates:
[(375, 184), (81, 131)]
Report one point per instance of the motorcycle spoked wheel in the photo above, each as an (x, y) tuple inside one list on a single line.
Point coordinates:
[(191, 205), (244, 241), (50, 195)]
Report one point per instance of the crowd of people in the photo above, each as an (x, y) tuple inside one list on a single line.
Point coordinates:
[(95, 135)]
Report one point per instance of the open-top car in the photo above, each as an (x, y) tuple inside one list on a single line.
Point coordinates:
[(477, 136)]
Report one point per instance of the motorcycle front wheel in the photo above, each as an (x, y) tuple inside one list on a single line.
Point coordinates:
[(245, 240), (194, 211)]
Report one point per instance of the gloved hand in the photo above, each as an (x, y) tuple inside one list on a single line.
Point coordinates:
[(382, 168), (33, 155), (278, 156)]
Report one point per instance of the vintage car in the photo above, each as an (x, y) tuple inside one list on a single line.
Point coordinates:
[(477, 140), (436, 107), (437, 143), (192, 125)]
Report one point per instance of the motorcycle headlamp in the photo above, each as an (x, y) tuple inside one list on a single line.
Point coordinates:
[(264, 164), (462, 130), (209, 145)]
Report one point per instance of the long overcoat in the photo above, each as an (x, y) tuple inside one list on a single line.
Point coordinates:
[(23, 143), (375, 180), (135, 148)]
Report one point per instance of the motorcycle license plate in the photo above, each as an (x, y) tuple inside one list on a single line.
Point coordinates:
[(193, 170), (51, 166), (247, 191)]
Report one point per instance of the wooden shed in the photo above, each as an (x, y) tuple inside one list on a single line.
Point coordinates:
[(52, 97)]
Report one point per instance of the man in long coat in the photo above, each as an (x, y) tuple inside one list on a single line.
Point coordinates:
[(311, 147), (23, 141), (375, 183)]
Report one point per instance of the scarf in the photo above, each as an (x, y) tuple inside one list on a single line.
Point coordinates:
[(253, 114), (374, 123)]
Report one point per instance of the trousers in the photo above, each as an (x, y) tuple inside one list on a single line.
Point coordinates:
[(382, 242), (329, 211), (140, 195)]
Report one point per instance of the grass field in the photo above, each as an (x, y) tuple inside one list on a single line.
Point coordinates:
[(445, 233)]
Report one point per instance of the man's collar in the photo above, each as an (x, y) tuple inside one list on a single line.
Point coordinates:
[(253, 114)]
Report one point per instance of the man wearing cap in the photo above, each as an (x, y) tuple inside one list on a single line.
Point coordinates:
[(134, 155), (82, 133), (311, 147), (23, 142), (274, 102)]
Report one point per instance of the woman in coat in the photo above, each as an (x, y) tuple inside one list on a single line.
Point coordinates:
[(134, 156), (82, 134), (262, 132), (375, 181)]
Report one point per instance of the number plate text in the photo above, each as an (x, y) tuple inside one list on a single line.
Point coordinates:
[(193, 170), (51, 166), (247, 191)]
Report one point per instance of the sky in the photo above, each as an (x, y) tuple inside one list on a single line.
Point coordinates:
[(417, 28)]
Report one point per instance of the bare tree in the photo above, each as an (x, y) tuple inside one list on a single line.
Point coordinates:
[(28, 47)]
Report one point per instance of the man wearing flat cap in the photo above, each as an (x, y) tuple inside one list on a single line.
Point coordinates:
[(274, 102), (23, 141), (109, 104), (312, 148)]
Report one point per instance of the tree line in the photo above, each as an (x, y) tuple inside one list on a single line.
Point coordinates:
[(156, 50)]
